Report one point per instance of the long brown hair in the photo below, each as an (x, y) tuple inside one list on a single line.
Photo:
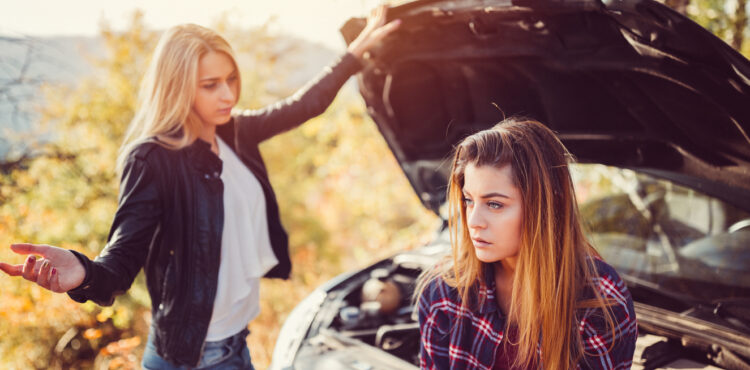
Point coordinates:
[(554, 265)]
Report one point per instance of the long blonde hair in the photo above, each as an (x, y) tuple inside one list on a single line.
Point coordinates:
[(165, 99), (554, 265)]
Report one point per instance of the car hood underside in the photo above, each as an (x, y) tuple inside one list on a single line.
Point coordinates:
[(629, 84)]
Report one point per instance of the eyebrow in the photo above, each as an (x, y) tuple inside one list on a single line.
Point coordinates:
[(217, 78), (490, 195)]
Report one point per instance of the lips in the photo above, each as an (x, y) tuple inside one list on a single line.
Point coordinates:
[(225, 111), (479, 242)]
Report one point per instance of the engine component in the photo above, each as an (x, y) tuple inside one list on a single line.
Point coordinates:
[(379, 288)]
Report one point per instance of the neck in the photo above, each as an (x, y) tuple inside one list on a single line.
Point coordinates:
[(509, 264), (504, 270), (208, 133)]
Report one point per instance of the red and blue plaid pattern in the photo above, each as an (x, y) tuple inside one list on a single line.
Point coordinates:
[(454, 337)]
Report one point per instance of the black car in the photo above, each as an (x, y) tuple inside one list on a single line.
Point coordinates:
[(655, 109)]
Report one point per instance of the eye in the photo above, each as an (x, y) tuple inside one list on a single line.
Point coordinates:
[(495, 205), (209, 86), (232, 79), (468, 202)]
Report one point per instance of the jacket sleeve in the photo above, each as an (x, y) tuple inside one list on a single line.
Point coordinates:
[(606, 347), (308, 102), (434, 327), (135, 223)]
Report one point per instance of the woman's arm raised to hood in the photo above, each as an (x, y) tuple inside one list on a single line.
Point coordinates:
[(316, 95)]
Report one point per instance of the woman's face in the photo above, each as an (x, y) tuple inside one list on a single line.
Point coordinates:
[(494, 212), (217, 90)]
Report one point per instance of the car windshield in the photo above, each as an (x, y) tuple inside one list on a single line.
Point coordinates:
[(671, 238)]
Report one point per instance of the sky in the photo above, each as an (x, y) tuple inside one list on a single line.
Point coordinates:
[(315, 20)]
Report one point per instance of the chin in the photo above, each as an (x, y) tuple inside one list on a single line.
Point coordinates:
[(492, 255), (487, 256), (224, 121)]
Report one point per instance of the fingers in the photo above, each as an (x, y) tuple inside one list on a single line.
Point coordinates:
[(377, 17), (382, 32), (390, 27), (40, 272), (43, 275), (380, 15), (12, 270), (374, 12), (28, 269), (25, 248), (55, 282), (376, 22)]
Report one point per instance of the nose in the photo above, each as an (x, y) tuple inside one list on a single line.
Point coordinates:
[(227, 92), (475, 219)]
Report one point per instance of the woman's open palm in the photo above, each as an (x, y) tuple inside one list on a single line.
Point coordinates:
[(58, 270)]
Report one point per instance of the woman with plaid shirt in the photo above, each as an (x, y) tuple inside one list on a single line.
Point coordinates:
[(523, 289)]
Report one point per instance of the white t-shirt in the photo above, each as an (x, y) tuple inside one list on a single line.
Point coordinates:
[(246, 253)]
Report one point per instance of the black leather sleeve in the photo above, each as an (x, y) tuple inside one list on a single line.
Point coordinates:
[(255, 126), (135, 223)]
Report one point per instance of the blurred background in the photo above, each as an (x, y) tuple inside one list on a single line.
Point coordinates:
[(69, 73)]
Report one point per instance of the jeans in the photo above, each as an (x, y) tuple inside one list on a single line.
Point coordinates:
[(229, 353)]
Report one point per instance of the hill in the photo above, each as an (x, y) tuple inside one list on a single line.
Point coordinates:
[(28, 63)]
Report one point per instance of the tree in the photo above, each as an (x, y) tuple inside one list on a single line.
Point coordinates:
[(678, 5), (330, 176), (63, 192), (725, 19), (739, 24)]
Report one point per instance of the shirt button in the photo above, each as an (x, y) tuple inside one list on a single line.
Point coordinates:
[(216, 174), (161, 306), (171, 252), (207, 176)]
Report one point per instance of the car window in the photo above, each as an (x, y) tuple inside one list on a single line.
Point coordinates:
[(671, 236)]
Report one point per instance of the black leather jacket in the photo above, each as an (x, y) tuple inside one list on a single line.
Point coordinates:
[(170, 218)]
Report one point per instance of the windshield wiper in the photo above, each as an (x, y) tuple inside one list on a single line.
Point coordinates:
[(650, 286), (735, 310), (732, 312)]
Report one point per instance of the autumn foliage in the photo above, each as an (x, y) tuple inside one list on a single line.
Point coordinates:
[(343, 197)]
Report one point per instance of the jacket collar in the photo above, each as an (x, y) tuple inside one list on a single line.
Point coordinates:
[(203, 159)]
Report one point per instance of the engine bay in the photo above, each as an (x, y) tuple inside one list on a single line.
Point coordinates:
[(368, 322)]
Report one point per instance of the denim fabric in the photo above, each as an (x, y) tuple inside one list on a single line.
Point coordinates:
[(229, 353)]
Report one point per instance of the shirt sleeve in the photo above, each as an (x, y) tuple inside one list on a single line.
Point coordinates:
[(136, 220), (257, 125), (606, 347), (434, 325)]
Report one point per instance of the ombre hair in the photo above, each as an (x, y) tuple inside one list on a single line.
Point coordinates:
[(555, 265), (165, 99)]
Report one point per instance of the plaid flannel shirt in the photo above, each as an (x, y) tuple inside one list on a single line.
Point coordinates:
[(456, 338)]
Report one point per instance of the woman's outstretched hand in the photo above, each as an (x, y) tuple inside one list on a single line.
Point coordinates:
[(375, 31), (59, 270)]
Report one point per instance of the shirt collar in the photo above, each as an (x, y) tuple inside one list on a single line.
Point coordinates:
[(487, 293)]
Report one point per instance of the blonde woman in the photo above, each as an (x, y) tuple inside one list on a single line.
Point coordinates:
[(196, 209), (523, 288)]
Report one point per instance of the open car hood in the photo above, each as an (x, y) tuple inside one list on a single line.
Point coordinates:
[(628, 83)]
